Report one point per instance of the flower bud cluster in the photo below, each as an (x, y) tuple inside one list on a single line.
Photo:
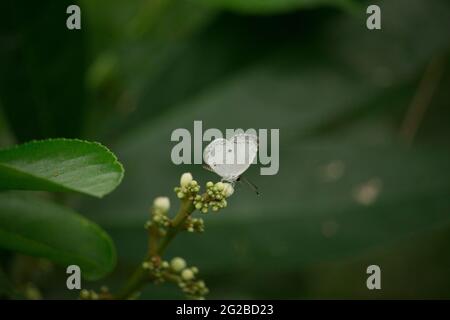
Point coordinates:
[(159, 212), (188, 187), (194, 224), (156, 267), (214, 198), (187, 281), (88, 295), (103, 294)]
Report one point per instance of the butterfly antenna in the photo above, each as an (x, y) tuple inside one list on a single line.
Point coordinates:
[(250, 184)]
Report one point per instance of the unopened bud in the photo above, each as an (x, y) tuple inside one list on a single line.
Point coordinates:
[(162, 204), (178, 264), (187, 274), (228, 190), (186, 179)]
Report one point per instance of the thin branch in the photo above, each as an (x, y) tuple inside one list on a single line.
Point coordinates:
[(142, 276)]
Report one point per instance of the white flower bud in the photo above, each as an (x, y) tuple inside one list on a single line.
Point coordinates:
[(162, 204), (186, 179), (187, 274), (228, 190), (178, 264)]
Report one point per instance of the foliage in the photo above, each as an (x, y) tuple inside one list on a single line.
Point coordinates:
[(364, 175), (40, 228)]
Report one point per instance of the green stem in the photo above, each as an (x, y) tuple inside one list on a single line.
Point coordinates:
[(141, 276), (177, 224), (134, 284)]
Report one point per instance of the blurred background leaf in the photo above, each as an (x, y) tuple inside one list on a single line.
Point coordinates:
[(272, 6), (40, 57)]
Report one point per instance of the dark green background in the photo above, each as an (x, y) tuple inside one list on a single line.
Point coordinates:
[(338, 92)]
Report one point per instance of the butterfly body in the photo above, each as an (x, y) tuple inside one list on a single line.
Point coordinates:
[(231, 158)]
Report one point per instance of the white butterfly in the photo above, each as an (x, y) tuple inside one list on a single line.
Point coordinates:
[(231, 158)]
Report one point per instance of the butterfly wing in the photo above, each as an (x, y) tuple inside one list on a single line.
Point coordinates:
[(230, 158)]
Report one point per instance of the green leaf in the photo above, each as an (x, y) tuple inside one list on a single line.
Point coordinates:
[(60, 165), (272, 6), (40, 228)]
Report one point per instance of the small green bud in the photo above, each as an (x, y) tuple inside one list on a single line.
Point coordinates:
[(187, 274), (193, 183), (220, 186), (209, 184), (205, 210), (180, 195), (104, 289), (198, 205), (84, 294), (178, 264), (215, 208), (94, 295)]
